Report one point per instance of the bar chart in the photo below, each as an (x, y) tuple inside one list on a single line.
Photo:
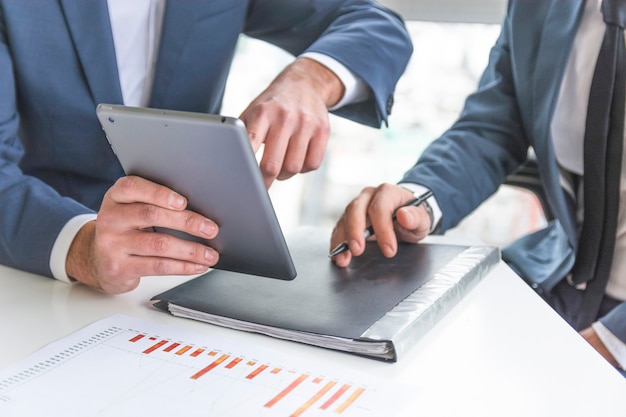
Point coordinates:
[(121, 366)]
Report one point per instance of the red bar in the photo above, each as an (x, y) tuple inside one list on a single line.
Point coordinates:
[(171, 347), (313, 399), (197, 352), (233, 363), (335, 396), (351, 399), (318, 380), (136, 338), (155, 347), (256, 371), (286, 391), (211, 366)]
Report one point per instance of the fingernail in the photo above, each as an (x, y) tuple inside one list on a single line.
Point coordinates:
[(208, 228), (201, 268), (387, 251), (176, 201), (409, 216), (210, 256)]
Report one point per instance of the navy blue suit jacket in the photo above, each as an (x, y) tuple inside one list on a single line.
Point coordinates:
[(511, 111), (57, 62)]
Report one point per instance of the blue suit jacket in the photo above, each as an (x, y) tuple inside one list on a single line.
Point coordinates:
[(57, 62), (511, 111)]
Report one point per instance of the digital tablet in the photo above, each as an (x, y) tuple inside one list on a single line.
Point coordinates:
[(209, 160)]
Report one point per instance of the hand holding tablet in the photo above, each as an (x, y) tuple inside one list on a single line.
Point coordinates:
[(209, 160)]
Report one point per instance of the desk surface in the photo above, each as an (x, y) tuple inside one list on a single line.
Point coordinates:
[(500, 352)]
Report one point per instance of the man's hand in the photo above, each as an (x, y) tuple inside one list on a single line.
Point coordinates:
[(378, 205), (115, 251), (291, 119), (590, 335)]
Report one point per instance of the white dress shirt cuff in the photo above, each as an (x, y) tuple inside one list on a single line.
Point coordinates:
[(612, 343), (62, 245), (356, 89), (432, 202)]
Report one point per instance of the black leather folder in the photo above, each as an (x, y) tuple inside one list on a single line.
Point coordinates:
[(373, 308)]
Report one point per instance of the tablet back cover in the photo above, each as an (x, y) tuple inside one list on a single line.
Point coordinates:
[(209, 160)]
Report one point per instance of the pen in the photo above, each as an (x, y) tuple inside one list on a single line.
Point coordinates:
[(342, 247)]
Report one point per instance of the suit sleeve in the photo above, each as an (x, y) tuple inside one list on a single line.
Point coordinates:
[(365, 37), (469, 161), (26, 236)]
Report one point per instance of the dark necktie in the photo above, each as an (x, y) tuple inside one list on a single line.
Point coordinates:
[(604, 134)]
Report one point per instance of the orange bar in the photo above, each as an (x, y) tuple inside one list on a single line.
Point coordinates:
[(171, 347), (251, 363), (351, 399), (233, 363), (275, 370), (313, 399), (256, 371), (136, 338), (212, 353), (183, 350), (286, 391), (335, 396), (197, 352), (215, 363), (155, 347), (318, 380)]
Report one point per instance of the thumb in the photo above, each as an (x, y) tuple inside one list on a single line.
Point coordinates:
[(414, 219)]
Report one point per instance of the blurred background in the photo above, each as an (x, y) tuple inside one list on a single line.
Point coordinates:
[(451, 39)]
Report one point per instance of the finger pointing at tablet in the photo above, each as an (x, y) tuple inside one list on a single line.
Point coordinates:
[(113, 252), (291, 119)]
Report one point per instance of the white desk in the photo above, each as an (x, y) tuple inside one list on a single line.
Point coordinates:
[(501, 352)]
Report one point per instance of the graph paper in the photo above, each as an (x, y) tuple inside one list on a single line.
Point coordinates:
[(122, 366)]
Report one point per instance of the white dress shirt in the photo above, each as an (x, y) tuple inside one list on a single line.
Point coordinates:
[(568, 131), (568, 126), (136, 27)]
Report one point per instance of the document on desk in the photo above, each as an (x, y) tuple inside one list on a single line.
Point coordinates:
[(122, 366), (377, 307)]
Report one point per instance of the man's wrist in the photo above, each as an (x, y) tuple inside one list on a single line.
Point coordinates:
[(324, 81), (79, 257), (61, 247), (355, 89)]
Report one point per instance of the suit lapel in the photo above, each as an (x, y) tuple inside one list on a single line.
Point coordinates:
[(177, 23), (554, 49), (90, 28)]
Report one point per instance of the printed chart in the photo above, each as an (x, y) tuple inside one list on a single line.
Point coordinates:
[(122, 366)]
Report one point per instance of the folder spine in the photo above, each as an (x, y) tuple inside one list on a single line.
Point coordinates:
[(414, 316)]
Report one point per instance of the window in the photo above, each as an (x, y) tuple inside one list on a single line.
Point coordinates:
[(462, 11), (428, 99)]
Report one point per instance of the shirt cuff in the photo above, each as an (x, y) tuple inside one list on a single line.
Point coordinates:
[(62, 245), (432, 202), (356, 90), (612, 343)]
